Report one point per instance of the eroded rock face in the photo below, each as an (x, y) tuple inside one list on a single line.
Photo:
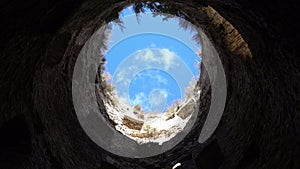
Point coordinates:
[(132, 123), (186, 109), (232, 39), (260, 125)]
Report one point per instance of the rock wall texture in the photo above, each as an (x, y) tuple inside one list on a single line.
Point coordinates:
[(40, 41)]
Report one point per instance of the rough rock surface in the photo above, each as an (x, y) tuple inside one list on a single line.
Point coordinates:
[(132, 123), (40, 41), (186, 109)]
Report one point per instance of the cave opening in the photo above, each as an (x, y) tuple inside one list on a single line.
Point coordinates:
[(219, 40), (207, 105), (149, 73)]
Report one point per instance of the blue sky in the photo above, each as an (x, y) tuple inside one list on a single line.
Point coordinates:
[(151, 62)]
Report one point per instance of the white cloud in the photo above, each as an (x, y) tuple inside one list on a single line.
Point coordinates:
[(140, 98), (158, 99), (164, 57), (124, 75), (153, 45), (168, 58), (120, 76), (150, 56), (132, 68), (160, 79)]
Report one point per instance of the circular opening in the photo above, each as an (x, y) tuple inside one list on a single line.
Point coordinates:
[(148, 74)]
